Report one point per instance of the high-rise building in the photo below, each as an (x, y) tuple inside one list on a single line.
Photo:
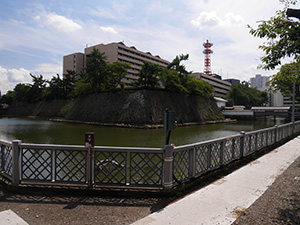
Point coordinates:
[(259, 82), (115, 52)]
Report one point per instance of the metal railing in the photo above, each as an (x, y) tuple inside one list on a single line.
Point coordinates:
[(123, 167)]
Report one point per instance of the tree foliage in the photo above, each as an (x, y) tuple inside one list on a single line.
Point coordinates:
[(283, 80), (117, 71), (242, 94), (149, 75), (99, 75), (282, 35)]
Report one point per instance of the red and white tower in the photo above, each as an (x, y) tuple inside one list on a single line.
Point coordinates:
[(207, 52)]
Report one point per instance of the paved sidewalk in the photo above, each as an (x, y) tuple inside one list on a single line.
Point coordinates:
[(223, 201), (8, 217)]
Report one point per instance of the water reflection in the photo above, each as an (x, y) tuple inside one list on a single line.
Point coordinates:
[(41, 131)]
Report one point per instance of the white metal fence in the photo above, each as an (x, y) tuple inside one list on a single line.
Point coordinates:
[(123, 167)]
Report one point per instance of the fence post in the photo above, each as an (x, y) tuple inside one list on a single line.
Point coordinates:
[(2, 159), (168, 167), (243, 133), (192, 164), (16, 162), (276, 133), (222, 153)]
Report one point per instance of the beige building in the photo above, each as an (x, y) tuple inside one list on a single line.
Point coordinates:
[(73, 62), (115, 52), (220, 86)]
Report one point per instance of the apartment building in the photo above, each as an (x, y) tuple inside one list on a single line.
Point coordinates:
[(73, 62), (220, 86), (115, 52)]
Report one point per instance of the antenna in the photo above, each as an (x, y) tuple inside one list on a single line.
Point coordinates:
[(207, 52)]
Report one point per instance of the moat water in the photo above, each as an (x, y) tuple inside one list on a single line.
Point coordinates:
[(49, 132)]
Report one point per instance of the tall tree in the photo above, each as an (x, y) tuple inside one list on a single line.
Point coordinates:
[(283, 37), (97, 70), (242, 94), (177, 65), (117, 71), (21, 92), (149, 75), (38, 88), (283, 80)]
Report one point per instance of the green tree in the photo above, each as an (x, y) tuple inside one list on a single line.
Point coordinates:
[(8, 98), (69, 82), (283, 80), (117, 71), (149, 75), (97, 71), (177, 65), (55, 90), (37, 89), (171, 81), (242, 94), (21, 92), (282, 35), (199, 87)]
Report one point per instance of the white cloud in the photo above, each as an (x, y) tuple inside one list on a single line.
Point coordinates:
[(234, 20), (62, 23), (211, 19), (10, 77), (109, 30), (206, 19)]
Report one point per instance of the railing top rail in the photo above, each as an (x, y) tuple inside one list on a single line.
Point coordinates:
[(4, 142), (183, 147), (260, 130), (286, 124), (96, 148), (128, 149), (53, 146)]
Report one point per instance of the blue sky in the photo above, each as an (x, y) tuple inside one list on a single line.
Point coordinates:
[(36, 34)]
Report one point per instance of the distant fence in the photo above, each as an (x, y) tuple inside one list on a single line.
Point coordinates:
[(123, 167)]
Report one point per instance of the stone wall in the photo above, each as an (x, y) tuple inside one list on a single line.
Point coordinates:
[(136, 107)]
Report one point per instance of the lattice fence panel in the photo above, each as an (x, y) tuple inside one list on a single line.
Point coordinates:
[(181, 166), (259, 141), (271, 137), (70, 166), (250, 144), (6, 160), (237, 147), (228, 150), (146, 169), (215, 155), (36, 164), (110, 168), (202, 155)]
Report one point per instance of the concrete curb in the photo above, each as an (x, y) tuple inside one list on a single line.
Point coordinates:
[(8, 217)]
